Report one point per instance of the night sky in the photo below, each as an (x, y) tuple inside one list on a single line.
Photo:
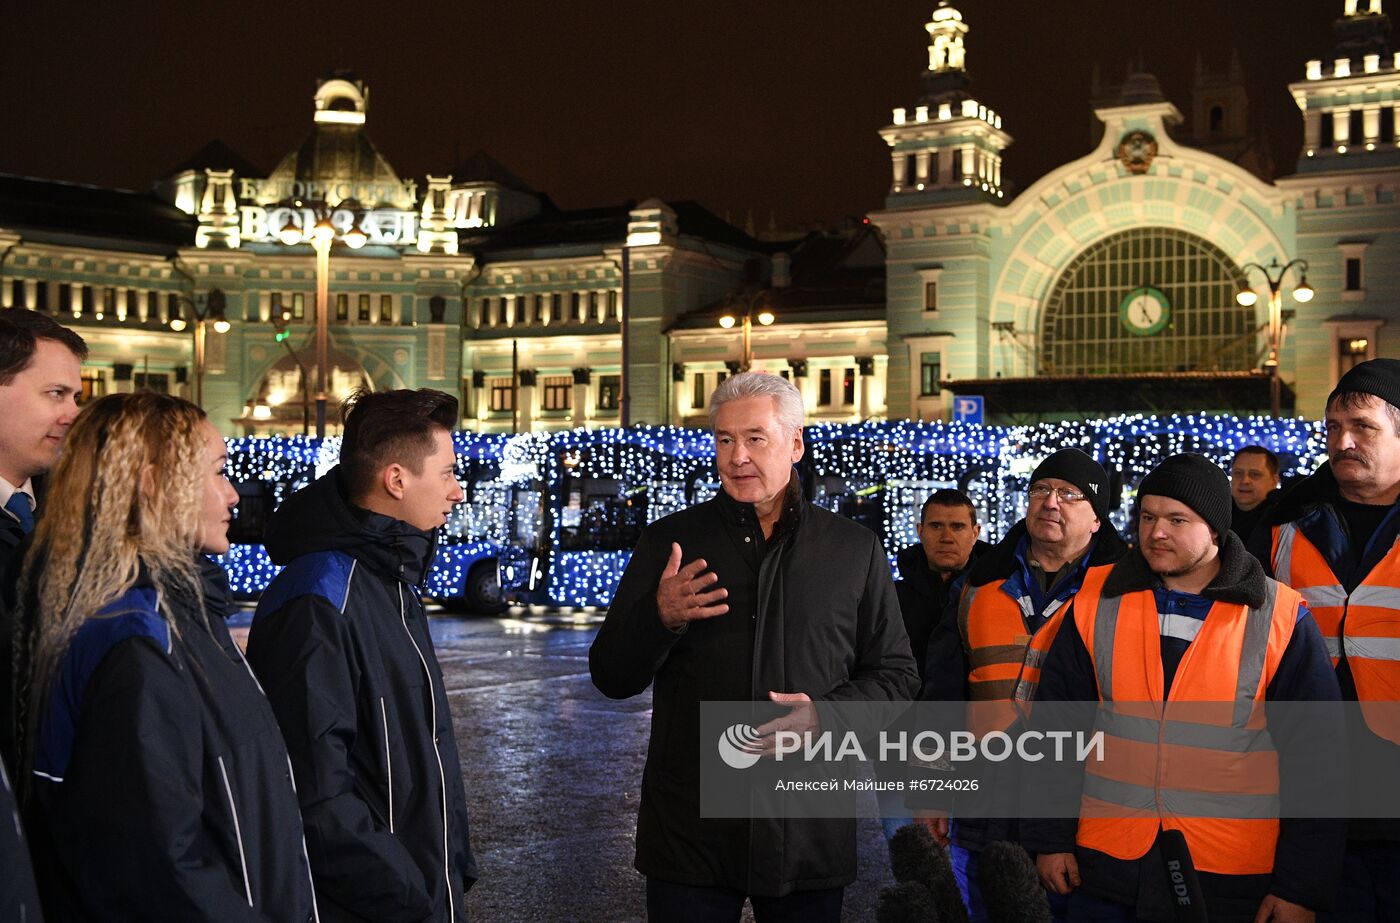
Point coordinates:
[(762, 105)]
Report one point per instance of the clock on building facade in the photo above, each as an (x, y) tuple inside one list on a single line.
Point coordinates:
[(1145, 311)]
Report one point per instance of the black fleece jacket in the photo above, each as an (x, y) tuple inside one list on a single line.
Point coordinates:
[(1307, 864), (340, 642)]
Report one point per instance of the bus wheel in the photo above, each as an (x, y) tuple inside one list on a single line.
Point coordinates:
[(483, 589)]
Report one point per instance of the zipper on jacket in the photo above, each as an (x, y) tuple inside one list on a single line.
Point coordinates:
[(237, 832), (442, 776), (388, 763)]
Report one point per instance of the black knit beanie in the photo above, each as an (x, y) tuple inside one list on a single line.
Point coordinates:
[(1080, 470), (1380, 377), (1196, 481)]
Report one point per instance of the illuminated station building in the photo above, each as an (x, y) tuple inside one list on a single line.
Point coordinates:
[(1110, 285), (469, 282)]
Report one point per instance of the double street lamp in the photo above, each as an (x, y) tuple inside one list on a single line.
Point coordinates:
[(1247, 297), (321, 236), (211, 314), (764, 316)]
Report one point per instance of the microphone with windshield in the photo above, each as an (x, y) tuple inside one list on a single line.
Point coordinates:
[(1011, 889)]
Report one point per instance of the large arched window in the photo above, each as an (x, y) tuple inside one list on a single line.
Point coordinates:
[(1147, 300)]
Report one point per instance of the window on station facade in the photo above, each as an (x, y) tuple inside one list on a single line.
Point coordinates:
[(363, 313), (1358, 129), (930, 374), (558, 392), (614, 306), (930, 296), (1326, 130), (609, 392), (386, 309), (592, 305), (824, 388), (298, 306), (697, 391), (1148, 300), (556, 307), (848, 387), (520, 310), (1353, 274), (152, 305), (158, 382), (94, 385), (87, 299), (575, 306), (41, 295), (502, 394), (502, 307), (342, 307), (1351, 351)]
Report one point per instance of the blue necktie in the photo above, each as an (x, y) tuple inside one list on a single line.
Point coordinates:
[(19, 506)]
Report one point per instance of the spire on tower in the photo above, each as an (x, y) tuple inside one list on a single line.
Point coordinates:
[(946, 31)]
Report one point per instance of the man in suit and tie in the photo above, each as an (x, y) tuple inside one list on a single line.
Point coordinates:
[(40, 380)]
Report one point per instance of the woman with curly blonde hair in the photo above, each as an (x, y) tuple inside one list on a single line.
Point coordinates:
[(158, 782)]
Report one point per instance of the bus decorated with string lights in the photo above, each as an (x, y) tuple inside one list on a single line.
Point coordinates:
[(550, 519)]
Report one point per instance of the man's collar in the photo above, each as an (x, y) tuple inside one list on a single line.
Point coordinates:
[(8, 490)]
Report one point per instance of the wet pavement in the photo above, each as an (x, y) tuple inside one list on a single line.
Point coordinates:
[(553, 771)]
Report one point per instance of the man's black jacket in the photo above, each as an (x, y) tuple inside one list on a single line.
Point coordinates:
[(340, 642), (924, 594), (812, 610), (161, 786)]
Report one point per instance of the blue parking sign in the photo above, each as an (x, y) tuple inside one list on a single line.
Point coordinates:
[(967, 408)]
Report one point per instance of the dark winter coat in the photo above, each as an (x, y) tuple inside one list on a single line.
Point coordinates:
[(162, 788), (811, 610), (340, 642), (1310, 502), (19, 895), (1307, 863), (924, 594)]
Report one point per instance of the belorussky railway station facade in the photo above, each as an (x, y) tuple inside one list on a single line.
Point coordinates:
[(1108, 285)]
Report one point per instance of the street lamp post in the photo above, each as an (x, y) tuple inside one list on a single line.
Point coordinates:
[(321, 236), (764, 316), (201, 318), (1303, 293)]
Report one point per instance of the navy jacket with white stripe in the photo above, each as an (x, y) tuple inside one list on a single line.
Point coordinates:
[(161, 787), (340, 642)]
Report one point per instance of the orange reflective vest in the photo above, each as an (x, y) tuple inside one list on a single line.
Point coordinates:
[(1005, 659), (1363, 626), (1201, 761)]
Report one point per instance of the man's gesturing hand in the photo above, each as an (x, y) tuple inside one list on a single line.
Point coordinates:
[(682, 597), (802, 720)]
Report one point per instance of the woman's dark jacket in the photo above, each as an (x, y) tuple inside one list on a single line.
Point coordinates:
[(340, 642), (813, 610), (161, 786)]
